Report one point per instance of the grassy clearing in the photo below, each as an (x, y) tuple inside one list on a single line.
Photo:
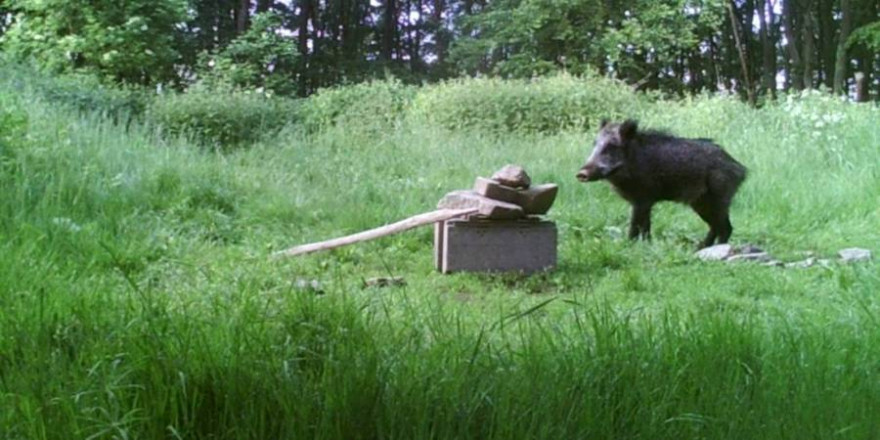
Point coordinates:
[(137, 300)]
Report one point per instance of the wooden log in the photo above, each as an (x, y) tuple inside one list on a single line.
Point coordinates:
[(403, 225)]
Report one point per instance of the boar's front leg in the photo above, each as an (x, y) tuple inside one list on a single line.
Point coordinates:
[(640, 223)]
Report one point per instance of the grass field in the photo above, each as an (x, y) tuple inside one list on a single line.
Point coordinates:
[(137, 299)]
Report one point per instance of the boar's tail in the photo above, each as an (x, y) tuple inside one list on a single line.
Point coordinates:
[(738, 171)]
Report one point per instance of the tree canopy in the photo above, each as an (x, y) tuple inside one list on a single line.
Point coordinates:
[(750, 47)]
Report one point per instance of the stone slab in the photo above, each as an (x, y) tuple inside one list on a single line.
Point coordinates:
[(526, 246), (538, 199), (496, 191), (535, 200), (489, 208)]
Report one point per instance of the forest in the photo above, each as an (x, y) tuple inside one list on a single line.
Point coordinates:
[(753, 48)]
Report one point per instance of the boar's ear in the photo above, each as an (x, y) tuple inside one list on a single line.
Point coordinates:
[(628, 129), (603, 123)]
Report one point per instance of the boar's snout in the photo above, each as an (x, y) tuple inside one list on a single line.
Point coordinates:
[(592, 173), (583, 175)]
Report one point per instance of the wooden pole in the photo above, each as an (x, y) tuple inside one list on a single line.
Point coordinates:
[(403, 225)]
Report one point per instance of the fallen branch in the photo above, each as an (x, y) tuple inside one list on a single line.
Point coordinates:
[(403, 225)]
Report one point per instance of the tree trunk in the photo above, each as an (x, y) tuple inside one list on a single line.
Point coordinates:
[(305, 12), (440, 42), (795, 70), (861, 87), (242, 16), (415, 57), (768, 49), (808, 26), (841, 58), (743, 58), (714, 72), (389, 29), (827, 39)]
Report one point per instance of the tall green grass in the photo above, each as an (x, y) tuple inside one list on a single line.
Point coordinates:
[(138, 300)]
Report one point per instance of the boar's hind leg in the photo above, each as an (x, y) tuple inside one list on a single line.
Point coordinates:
[(640, 223), (715, 214)]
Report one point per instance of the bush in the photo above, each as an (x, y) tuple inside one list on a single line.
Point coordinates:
[(373, 105), (86, 93), (221, 119), (13, 128), (80, 92), (259, 58), (547, 105)]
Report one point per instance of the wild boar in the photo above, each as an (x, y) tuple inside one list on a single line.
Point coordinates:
[(647, 166)]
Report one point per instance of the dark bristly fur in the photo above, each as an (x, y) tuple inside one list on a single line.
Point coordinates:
[(646, 167)]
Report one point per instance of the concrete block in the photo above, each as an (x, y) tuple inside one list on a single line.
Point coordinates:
[(439, 229), (527, 245)]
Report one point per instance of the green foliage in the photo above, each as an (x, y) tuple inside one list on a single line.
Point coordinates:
[(221, 119), (138, 299), (867, 36), (129, 42), (371, 106), (13, 131), (259, 58), (660, 31), (522, 38), (541, 105), (86, 93), (79, 91)]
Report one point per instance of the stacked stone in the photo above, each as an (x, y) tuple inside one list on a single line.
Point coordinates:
[(508, 195), (506, 234)]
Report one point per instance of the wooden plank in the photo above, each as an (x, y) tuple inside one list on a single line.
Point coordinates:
[(372, 234)]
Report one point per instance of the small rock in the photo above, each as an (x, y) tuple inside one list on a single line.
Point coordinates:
[(385, 282), (753, 256), (750, 249), (614, 232), (824, 262), (715, 253), (513, 176), (490, 208), (311, 286), (802, 264), (773, 263), (850, 255)]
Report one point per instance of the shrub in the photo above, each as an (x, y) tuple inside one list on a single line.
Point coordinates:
[(373, 105), (81, 92), (259, 58), (85, 93), (13, 128), (547, 104), (221, 119)]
